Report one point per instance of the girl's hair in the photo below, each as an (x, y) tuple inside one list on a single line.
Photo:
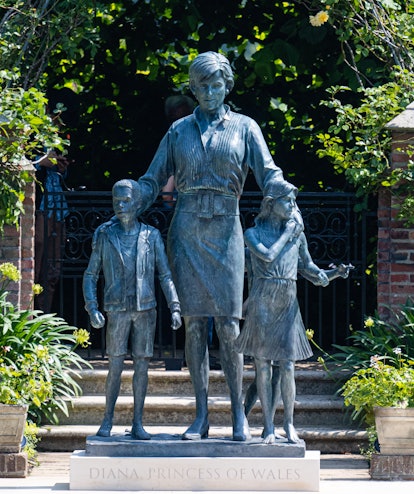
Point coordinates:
[(274, 189), (278, 188), (206, 64)]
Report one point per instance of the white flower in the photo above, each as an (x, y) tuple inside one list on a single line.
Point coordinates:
[(319, 19), (374, 361)]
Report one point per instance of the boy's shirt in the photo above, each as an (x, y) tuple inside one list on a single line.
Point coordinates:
[(107, 255)]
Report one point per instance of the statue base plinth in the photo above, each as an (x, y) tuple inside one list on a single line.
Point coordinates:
[(171, 464), (168, 445)]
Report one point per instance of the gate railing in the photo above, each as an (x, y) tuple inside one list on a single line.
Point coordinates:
[(335, 233)]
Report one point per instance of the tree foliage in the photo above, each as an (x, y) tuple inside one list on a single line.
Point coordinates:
[(358, 143), (356, 140), (283, 64), (26, 131), (126, 57), (30, 31)]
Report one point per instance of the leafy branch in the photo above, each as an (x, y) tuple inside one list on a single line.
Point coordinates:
[(358, 143)]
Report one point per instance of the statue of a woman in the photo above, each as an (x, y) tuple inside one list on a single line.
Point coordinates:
[(209, 153)]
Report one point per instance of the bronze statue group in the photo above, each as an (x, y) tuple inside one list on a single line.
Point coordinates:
[(209, 154)]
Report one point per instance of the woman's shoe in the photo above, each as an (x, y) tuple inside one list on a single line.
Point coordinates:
[(242, 433), (193, 433)]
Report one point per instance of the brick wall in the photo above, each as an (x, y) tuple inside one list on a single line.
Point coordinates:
[(17, 247), (395, 255)]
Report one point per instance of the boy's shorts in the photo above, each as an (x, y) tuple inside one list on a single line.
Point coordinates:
[(140, 325)]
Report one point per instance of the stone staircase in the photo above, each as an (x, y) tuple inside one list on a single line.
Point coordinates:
[(320, 417)]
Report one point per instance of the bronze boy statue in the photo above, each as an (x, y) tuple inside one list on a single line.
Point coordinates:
[(129, 253)]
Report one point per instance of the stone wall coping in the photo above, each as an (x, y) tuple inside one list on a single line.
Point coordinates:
[(404, 121)]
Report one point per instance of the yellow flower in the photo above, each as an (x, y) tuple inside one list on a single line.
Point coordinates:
[(9, 271), (37, 289), (82, 337), (319, 19), (42, 352), (310, 333), (31, 429), (321, 360), (369, 322)]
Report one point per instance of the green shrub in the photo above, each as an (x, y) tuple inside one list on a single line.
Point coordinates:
[(38, 360)]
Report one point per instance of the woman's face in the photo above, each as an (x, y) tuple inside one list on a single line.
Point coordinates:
[(210, 92)]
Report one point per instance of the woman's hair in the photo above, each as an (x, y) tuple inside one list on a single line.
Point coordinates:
[(206, 64), (274, 189)]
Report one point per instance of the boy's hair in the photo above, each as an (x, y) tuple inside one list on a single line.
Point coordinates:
[(131, 184)]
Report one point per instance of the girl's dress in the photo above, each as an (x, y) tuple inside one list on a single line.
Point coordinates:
[(273, 327)]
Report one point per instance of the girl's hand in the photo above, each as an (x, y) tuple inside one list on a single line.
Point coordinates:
[(294, 228), (343, 270), (323, 278), (290, 226)]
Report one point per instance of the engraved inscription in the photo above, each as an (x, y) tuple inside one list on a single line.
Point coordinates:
[(195, 473)]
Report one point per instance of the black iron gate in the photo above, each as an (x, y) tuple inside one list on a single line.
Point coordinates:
[(335, 233)]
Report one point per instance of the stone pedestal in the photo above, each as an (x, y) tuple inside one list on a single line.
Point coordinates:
[(167, 463), (392, 467), (12, 422)]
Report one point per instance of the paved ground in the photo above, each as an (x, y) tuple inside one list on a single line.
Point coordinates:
[(339, 474)]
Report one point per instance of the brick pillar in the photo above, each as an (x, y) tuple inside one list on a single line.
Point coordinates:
[(10, 252), (27, 246), (395, 256), (17, 247)]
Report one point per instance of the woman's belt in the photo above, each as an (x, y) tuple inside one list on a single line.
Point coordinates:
[(206, 204), (275, 278)]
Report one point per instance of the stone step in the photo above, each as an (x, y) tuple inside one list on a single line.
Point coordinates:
[(178, 383), (315, 410), (169, 406), (327, 440)]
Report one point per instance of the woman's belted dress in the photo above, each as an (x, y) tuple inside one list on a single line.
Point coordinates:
[(205, 241)]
